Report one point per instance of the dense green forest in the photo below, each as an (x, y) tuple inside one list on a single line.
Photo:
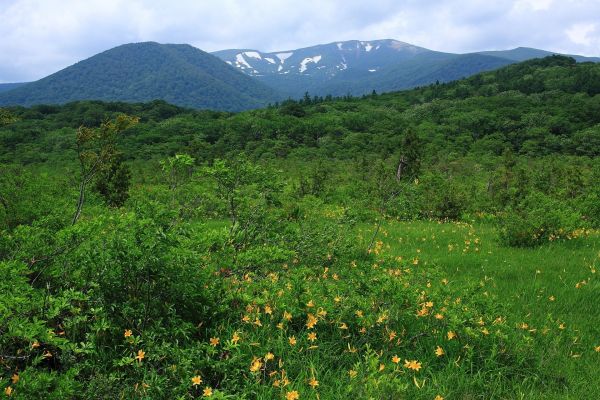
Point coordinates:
[(437, 243), (178, 73)]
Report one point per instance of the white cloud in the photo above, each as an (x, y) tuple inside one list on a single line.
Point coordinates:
[(581, 33), (38, 37)]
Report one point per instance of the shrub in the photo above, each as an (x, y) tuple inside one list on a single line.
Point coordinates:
[(539, 219)]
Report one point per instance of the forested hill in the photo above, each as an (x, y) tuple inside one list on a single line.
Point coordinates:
[(180, 74), (535, 108)]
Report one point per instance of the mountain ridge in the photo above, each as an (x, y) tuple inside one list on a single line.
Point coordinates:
[(177, 73)]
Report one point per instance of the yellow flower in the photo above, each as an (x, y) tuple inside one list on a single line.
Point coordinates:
[(293, 395), (256, 365), (395, 359), (352, 373), (313, 383), (438, 397), (287, 316), (392, 335), (214, 341), (257, 322), (268, 310), (359, 313), (381, 367), (551, 298), (246, 318), (269, 356), (451, 335), (413, 364), (439, 351), (196, 380), (485, 331), (15, 378), (127, 333), (140, 355), (235, 338), (292, 341), (597, 349), (337, 299), (439, 316), (8, 391), (311, 321), (429, 304), (310, 304), (312, 336), (207, 392), (343, 326)]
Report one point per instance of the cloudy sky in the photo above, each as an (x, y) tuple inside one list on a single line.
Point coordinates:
[(39, 37)]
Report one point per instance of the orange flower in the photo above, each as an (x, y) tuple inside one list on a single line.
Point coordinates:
[(15, 378), (395, 359), (311, 321), (214, 341), (293, 395), (412, 364), (235, 338), (207, 392), (127, 333), (292, 341), (451, 335), (313, 383), (256, 365), (439, 351), (196, 380), (312, 336), (140, 355), (8, 391)]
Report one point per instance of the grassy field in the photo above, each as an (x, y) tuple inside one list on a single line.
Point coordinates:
[(553, 286)]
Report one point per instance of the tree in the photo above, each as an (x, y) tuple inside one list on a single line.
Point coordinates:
[(6, 117), (113, 181), (96, 150)]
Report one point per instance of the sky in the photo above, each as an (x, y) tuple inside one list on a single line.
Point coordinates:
[(39, 37)]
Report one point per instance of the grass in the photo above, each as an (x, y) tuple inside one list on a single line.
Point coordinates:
[(553, 285)]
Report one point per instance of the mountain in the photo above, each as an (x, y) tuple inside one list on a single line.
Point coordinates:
[(137, 72), (358, 67), (525, 53), (5, 87)]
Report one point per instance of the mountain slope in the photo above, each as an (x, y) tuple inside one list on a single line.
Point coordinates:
[(527, 53), (5, 87), (358, 67), (179, 74)]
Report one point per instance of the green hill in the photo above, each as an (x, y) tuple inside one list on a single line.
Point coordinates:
[(178, 74)]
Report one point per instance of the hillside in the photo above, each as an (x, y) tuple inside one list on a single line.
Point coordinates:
[(359, 67), (179, 74), (435, 243), (538, 107), (5, 87)]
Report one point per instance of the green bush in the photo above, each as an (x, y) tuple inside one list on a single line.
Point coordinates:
[(539, 219)]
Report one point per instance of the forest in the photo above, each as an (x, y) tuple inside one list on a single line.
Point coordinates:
[(436, 243)]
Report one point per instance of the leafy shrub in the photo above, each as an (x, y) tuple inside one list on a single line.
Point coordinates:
[(539, 219)]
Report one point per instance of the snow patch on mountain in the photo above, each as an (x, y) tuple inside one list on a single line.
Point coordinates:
[(240, 61), (270, 60), (253, 54), (368, 47), (303, 64), (284, 56), (340, 46)]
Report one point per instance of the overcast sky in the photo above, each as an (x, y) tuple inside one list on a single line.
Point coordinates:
[(39, 37)]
